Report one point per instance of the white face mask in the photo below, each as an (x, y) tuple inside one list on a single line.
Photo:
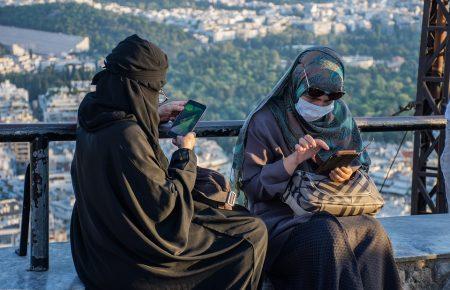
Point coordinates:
[(311, 112)]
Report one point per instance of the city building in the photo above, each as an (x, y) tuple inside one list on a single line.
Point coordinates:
[(364, 62), (60, 105), (15, 108), (236, 15), (7, 162), (25, 61), (10, 216), (220, 35), (339, 28), (395, 63)]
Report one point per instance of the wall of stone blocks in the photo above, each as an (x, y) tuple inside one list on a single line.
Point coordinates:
[(425, 274)]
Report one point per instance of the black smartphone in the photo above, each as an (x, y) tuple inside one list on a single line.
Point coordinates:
[(339, 159), (187, 119)]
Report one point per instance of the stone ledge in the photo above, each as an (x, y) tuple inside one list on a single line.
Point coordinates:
[(420, 237), (421, 246), (61, 275)]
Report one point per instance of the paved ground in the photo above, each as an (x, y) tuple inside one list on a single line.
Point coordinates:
[(413, 237), (61, 275), (419, 237)]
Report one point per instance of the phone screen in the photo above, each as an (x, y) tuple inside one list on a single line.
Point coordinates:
[(187, 119), (337, 160)]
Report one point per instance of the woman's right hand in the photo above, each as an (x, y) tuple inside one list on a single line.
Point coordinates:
[(306, 148), (186, 142)]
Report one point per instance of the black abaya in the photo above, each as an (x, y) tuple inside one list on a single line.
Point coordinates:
[(135, 224)]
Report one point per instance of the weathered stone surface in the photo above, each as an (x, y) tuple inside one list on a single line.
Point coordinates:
[(417, 275), (442, 270), (402, 275), (419, 237), (61, 273), (446, 285), (422, 274), (421, 246)]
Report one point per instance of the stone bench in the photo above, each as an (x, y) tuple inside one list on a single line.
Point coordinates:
[(422, 249), (421, 245)]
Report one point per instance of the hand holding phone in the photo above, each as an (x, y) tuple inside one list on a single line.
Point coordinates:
[(169, 111), (342, 174), (187, 119), (342, 158), (186, 142)]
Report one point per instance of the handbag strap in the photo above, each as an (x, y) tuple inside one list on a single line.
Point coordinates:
[(228, 204)]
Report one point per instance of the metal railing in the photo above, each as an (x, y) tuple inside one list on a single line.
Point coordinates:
[(39, 135)]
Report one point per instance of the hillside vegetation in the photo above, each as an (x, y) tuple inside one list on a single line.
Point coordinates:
[(229, 77)]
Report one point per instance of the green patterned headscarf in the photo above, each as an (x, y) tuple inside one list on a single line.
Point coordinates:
[(325, 71)]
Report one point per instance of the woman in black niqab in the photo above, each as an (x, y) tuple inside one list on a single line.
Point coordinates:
[(135, 224)]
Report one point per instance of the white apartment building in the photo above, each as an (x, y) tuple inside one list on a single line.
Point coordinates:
[(220, 35), (360, 61), (10, 216), (7, 162), (10, 212), (15, 108), (61, 104), (318, 28)]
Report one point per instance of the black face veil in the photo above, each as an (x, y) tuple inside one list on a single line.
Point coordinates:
[(128, 88)]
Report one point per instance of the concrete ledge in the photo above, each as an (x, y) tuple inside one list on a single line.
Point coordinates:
[(421, 246), (14, 272), (417, 237), (422, 249)]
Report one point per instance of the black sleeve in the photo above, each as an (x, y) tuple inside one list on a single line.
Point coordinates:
[(160, 194)]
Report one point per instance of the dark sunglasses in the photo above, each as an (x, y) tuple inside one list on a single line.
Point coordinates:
[(316, 93)]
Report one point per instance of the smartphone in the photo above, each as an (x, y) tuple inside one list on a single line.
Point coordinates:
[(341, 158), (187, 119)]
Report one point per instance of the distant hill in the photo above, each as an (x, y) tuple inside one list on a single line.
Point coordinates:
[(231, 77), (104, 28)]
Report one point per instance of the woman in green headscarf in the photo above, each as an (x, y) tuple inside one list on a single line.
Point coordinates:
[(302, 119)]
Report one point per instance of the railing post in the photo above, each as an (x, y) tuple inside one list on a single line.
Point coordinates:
[(25, 223), (39, 204)]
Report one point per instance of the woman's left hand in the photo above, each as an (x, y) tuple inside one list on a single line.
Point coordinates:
[(169, 111), (341, 174)]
